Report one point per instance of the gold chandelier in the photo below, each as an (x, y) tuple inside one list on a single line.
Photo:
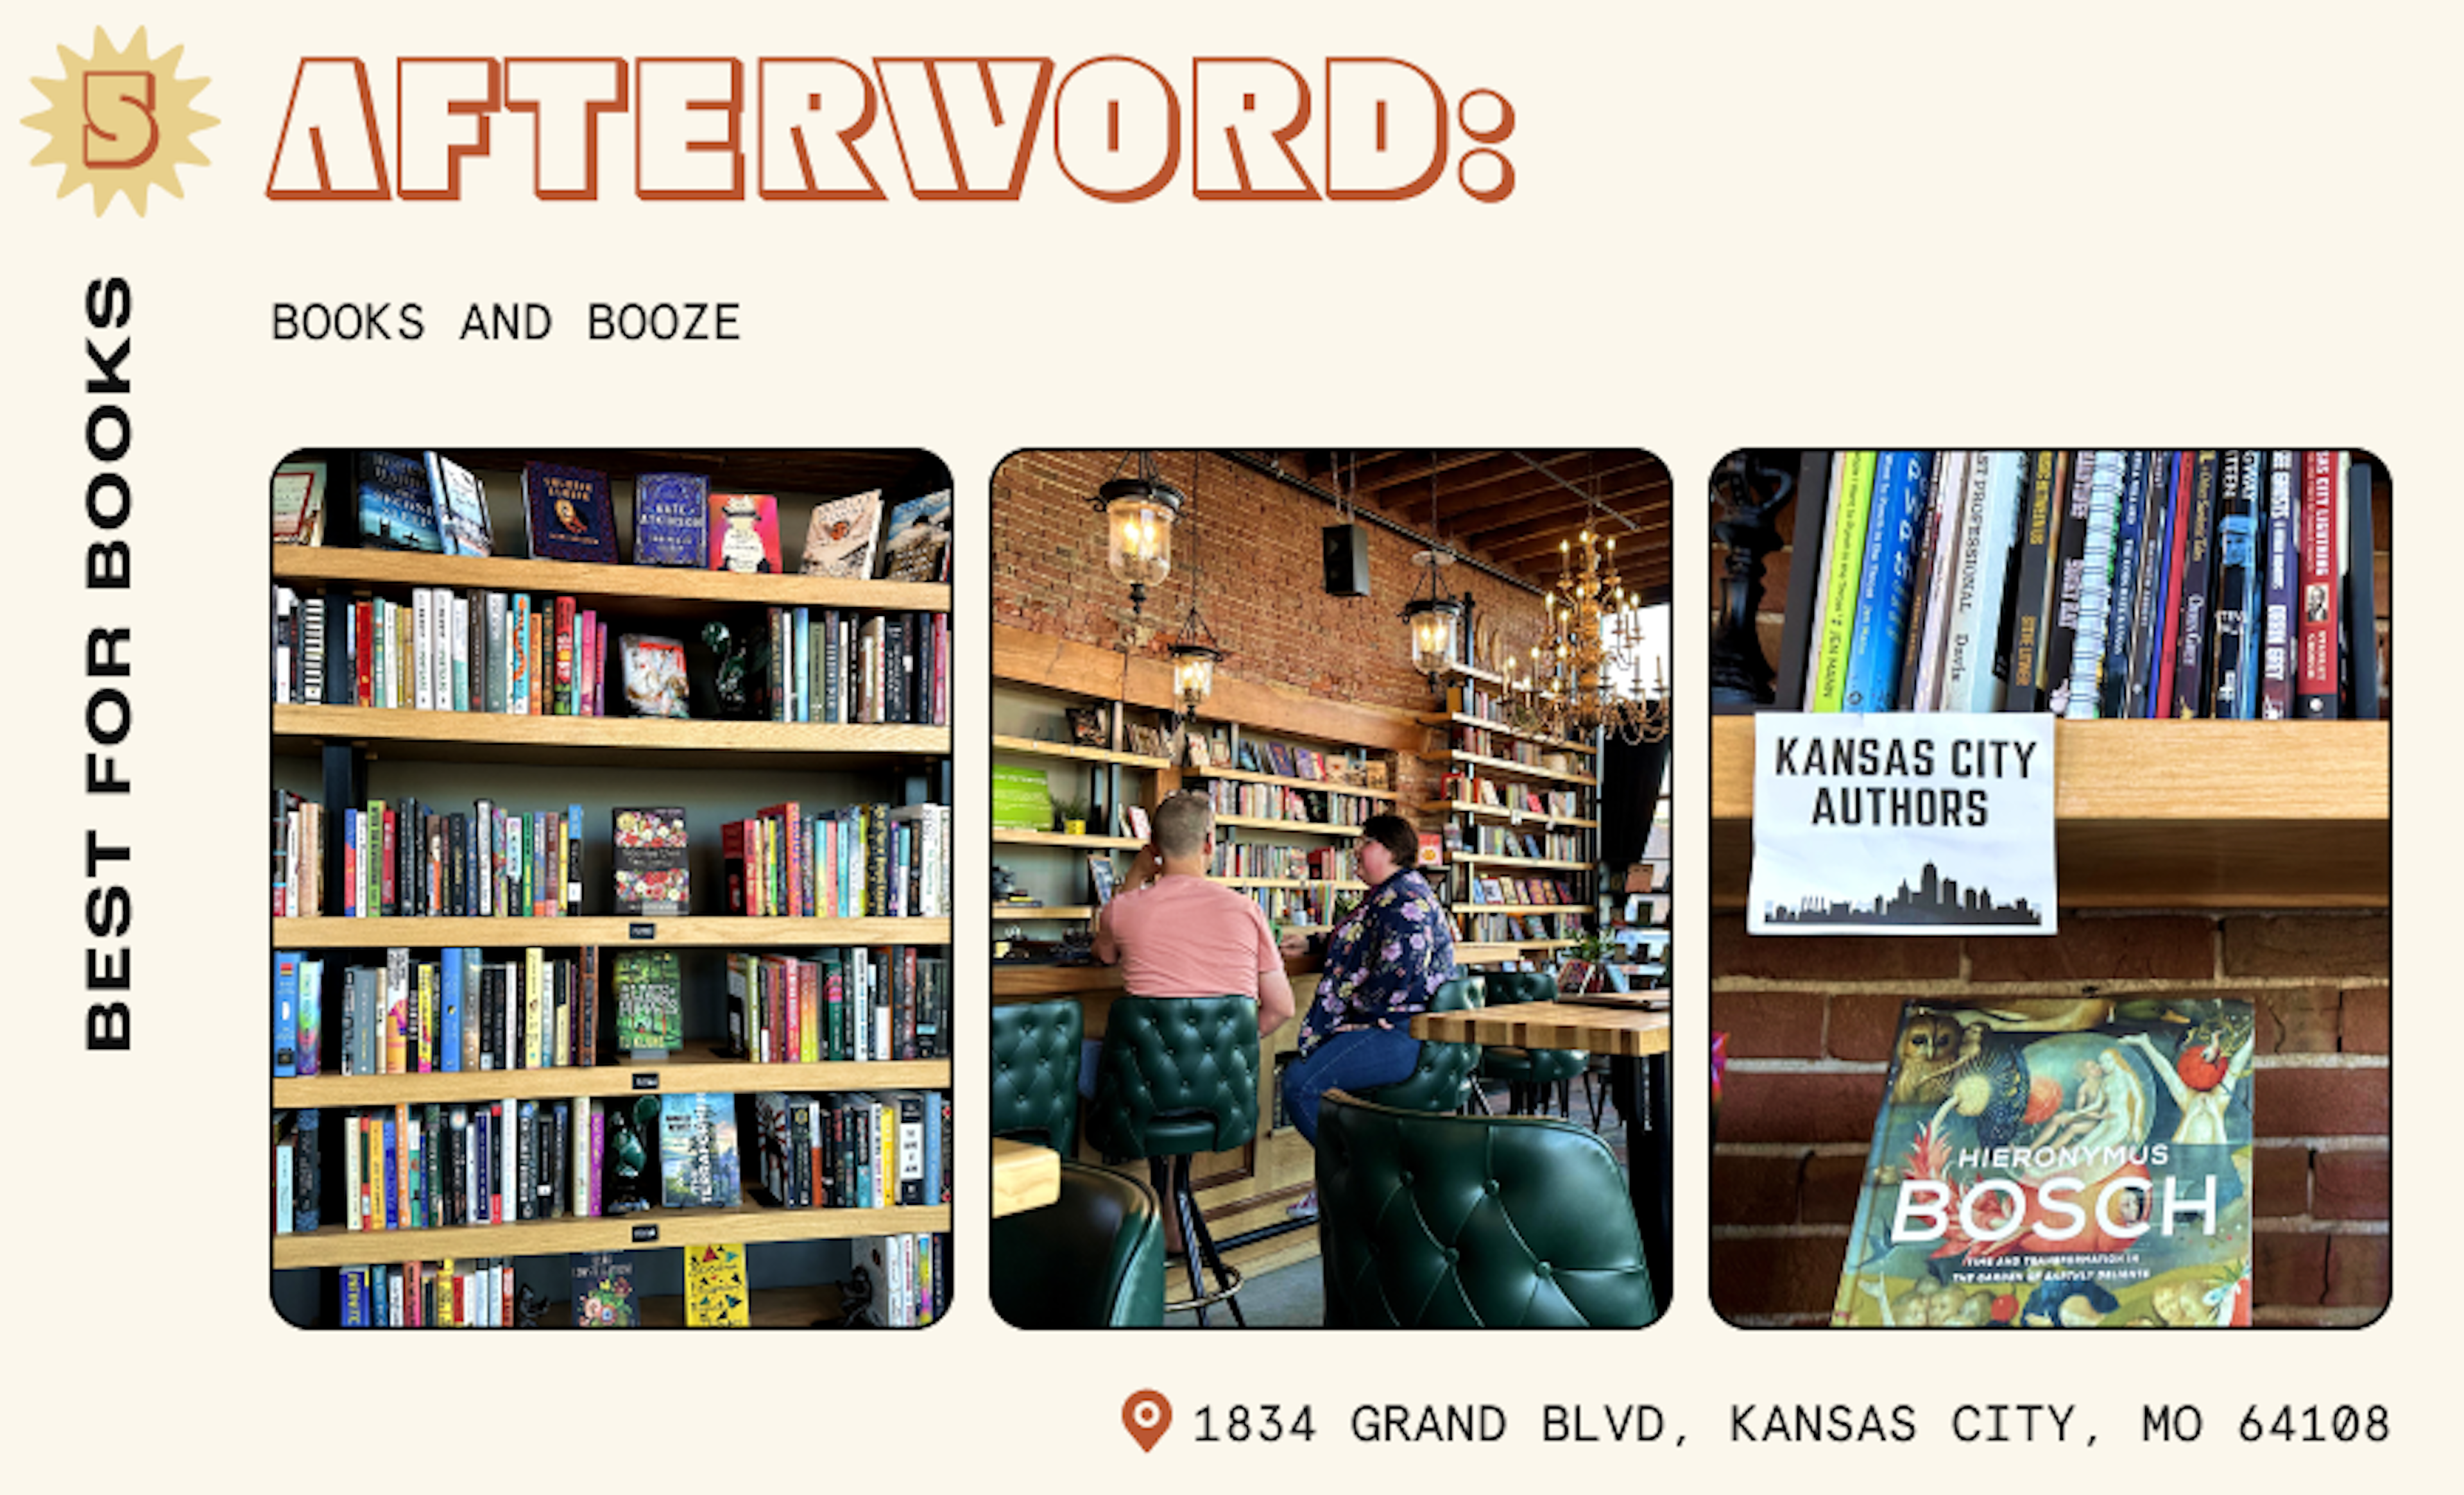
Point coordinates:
[(1587, 676)]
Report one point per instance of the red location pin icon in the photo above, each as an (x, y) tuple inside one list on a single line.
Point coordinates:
[(1147, 1414)]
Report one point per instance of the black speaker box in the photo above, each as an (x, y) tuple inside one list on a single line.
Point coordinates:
[(1346, 549)]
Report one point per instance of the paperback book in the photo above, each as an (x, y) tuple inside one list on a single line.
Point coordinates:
[(2061, 1162)]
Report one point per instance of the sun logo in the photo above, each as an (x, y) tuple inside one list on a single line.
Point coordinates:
[(119, 122)]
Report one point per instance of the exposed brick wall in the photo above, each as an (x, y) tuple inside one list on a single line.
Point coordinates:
[(1811, 1023), (1263, 595)]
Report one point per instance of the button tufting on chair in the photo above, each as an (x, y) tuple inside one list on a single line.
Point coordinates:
[(1035, 1079), (1442, 1080)]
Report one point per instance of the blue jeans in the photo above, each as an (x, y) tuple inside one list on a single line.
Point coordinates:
[(1357, 1061)]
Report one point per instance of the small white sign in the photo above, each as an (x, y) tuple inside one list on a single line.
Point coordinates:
[(1906, 823)]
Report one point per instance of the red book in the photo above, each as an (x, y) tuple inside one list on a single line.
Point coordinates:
[(730, 859), (364, 635), (2321, 518), (791, 855)]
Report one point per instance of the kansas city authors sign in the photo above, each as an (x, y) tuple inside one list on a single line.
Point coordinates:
[(1905, 823)]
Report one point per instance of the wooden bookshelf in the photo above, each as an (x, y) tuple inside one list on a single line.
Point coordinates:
[(336, 1245), (1034, 747), (635, 741), (646, 591), (1523, 908), (1483, 859), (1315, 786), (1012, 836), (698, 1066), (1507, 768), (1501, 812), (1508, 729), (1298, 827), (1047, 913), (716, 932), (2167, 814)]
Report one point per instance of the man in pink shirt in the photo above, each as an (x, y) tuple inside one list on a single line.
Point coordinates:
[(1181, 935)]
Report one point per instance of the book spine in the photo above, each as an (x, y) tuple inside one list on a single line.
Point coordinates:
[(2321, 591), (2113, 679), (564, 702), (1843, 568), (1920, 683), (286, 1013), (2236, 591), (1887, 573), (2275, 650)]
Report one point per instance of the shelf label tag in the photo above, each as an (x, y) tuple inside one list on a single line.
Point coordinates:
[(644, 1233), (642, 931), (1917, 823), (647, 1081)]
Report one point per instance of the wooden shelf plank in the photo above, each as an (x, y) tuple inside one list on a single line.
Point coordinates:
[(642, 589), (1298, 827), (495, 737), (1024, 1177), (1501, 812), (700, 931), (1484, 859), (1506, 730), (1319, 785), (1523, 908), (1507, 768), (1040, 912), (699, 1068), (2167, 814), (1032, 747), (1010, 836), (337, 1246)]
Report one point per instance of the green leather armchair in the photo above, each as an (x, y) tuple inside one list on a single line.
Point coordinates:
[(1432, 1221), (1443, 1079), (1035, 1072), (1529, 1072), (1093, 1258)]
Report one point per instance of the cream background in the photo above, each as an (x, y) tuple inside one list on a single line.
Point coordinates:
[(1932, 225)]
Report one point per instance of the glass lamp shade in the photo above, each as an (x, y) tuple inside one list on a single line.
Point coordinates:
[(1137, 519), (1193, 672), (1433, 633)]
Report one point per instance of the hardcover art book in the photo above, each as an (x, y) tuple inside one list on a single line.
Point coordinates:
[(670, 519), (698, 1161), (568, 512), (461, 508), (650, 1001), (918, 546), (396, 510), (603, 1290), (839, 539), (744, 533), (2059, 1162), (652, 877)]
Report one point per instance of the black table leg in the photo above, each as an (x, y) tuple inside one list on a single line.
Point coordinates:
[(1643, 1095)]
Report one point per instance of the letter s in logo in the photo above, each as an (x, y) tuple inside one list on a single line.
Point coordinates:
[(119, 129)]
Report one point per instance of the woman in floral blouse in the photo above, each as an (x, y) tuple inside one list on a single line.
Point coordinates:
[(1382, 962)]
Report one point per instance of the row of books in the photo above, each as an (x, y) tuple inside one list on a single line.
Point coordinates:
[(509, 653), (2228, 583), (1518, 891), (853, 1149), (405, 859), (907, 1276), (1540, 846), (1274, 859), (1507, 928), (1470, 788), (887, 1005), (1484, 743), (431, 503), (865, 860), (1300, 908), (461, 1014), (1281, 802), (831, 665)]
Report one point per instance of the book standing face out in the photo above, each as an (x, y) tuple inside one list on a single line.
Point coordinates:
[(670, 519), (298, 492), (2067, 1162), (396, 510), (744, 533), (918, 546), (568, 512), (840, 537)]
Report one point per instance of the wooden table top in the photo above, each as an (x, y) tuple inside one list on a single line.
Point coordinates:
[(1024, 1177), (1625, 1031)]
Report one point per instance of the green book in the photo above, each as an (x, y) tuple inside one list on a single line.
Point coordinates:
[(1842, 570)]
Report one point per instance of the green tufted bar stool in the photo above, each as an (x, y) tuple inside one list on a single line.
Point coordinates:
[(1430, 1222), (1178, 1076), (1530, 1073), (1035, 1072), (1092, 1259), (1443, 1079)]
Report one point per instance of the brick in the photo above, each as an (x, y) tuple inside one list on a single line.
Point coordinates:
[(1824, 958), (1770, 1024), (1828, 1194), (2166, 948), (2299, 1020), (1799, 1108), (2311, 1103), (2365, 1020), (1755, 1190), (2288, 1269), (2281, 1182), (2358, 1271), (1775, 1274), (2351, 1186), (2301, 944), (1865, 1026)]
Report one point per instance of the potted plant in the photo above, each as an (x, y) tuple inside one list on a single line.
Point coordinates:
[(1070, 816)]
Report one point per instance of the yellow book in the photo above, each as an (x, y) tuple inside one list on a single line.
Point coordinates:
[(716, 1295), (1843, 571)]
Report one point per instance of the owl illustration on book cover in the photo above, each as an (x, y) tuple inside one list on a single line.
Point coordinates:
[(2069, 1163)]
